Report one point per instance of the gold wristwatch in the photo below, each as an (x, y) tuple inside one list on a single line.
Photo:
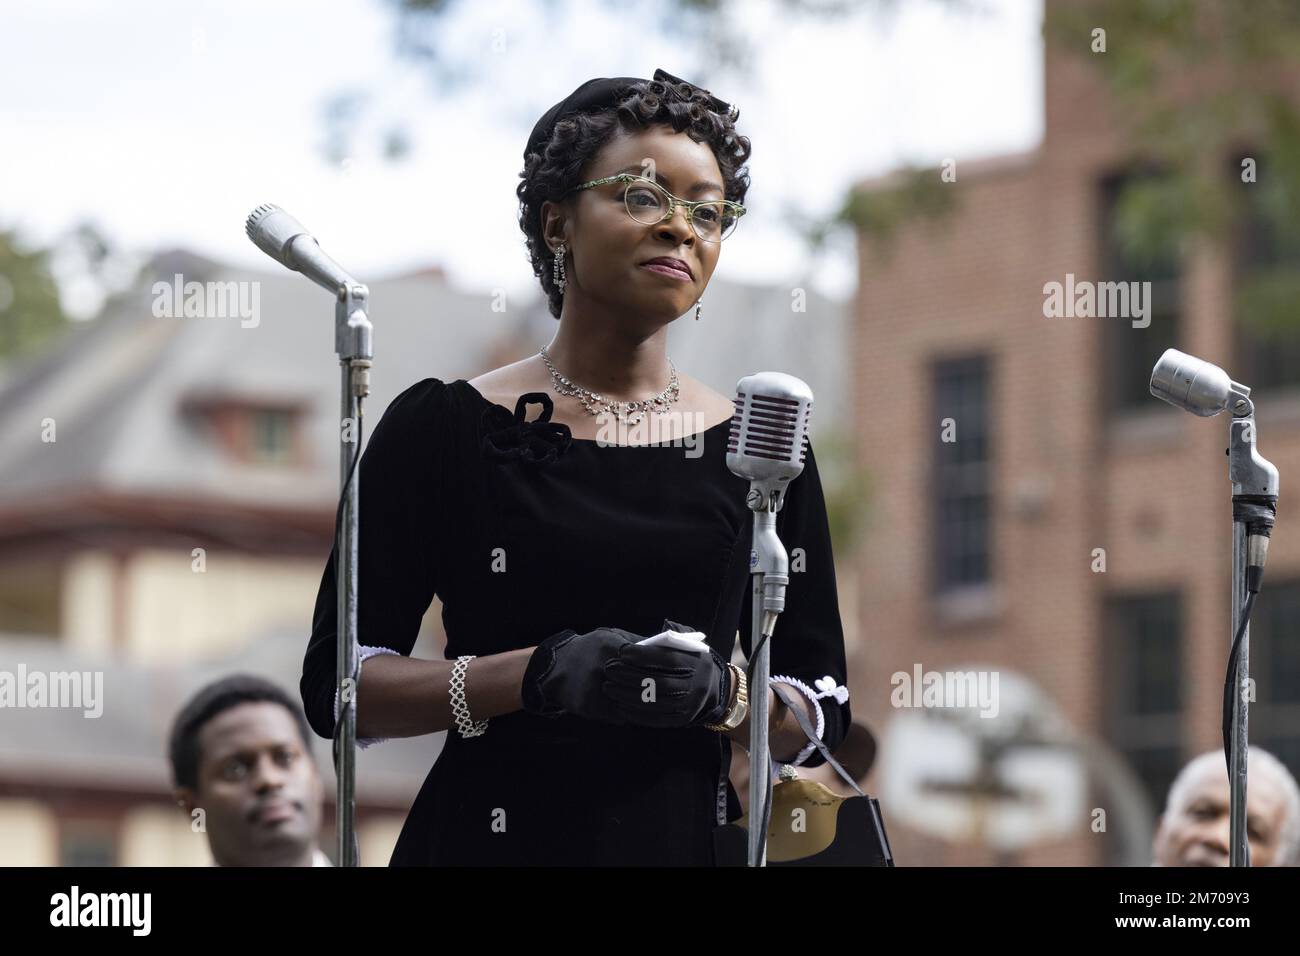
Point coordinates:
[(739, 707)]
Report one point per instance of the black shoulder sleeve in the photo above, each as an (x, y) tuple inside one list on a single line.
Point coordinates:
[(401, 482)]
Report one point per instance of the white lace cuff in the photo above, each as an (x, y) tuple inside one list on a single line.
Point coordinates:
[(364, 653), (828, 688)]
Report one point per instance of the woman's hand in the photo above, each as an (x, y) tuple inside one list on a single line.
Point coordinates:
[(565, 673), (663, 686)]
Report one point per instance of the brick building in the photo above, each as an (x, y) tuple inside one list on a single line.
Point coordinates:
[(984, 550)]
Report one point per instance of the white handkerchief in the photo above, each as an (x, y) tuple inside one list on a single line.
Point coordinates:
[(682, 640)]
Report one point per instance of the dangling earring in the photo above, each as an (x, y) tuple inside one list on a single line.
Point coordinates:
[(697, 308), (557, 270)]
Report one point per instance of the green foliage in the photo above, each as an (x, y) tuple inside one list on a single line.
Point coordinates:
[(1196, 85), (30, 314), (1154, 218), (1266, 300), (847, 488), (877, 214)]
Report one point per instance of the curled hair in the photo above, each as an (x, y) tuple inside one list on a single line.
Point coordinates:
[(578, 138)]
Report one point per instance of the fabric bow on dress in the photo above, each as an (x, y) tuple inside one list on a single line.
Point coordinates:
[(510, 438)]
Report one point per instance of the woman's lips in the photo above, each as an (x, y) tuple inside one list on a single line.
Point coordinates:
[(667, 271)]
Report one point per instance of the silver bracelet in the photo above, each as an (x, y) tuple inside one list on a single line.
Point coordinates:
[(459, 708)]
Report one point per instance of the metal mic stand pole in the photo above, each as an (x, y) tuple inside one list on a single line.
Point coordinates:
[(1254, 500), (1238, 850), (352, 342), (769, 567)]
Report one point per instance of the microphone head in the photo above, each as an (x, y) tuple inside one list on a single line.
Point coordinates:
[(1191, 383), (769, 430), (272, 230)]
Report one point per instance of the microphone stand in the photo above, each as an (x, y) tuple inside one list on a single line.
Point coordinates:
[(769, 570), (1254, 502), (352, 342), (284, 239)]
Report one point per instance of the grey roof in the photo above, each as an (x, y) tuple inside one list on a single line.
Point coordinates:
[(114, 388), (746, 328), (127, 745)]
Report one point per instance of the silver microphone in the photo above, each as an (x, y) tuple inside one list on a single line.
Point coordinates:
[(284, 239), (769, 435), (767, 446), (1193, 384)]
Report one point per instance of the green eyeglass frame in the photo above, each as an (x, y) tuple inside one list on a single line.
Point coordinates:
[(673, 202)]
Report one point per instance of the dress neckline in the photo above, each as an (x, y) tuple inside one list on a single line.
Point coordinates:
[(596, 443)]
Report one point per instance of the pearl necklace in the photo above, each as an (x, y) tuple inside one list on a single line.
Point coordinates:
[(629, 413)]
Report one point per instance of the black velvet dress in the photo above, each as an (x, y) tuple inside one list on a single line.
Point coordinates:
[(522, 532)]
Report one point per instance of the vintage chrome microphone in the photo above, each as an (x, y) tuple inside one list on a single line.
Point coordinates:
[(284, 239), (1206, 390), (767, 446)]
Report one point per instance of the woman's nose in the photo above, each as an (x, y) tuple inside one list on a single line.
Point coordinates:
[(671, 225)]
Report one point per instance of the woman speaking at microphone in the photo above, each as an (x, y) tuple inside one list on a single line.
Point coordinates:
[(557, 544)]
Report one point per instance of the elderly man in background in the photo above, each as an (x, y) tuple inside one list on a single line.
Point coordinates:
[(1193, 831)]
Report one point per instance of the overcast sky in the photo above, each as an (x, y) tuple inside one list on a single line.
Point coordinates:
[(167, 121)]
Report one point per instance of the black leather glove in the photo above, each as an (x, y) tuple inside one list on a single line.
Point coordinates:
[(690, 687), (565, 673)]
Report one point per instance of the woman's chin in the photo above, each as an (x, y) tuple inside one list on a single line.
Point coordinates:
[(658, 308)]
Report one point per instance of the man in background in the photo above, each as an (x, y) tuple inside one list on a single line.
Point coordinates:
[(242, 763), (1193, 831)]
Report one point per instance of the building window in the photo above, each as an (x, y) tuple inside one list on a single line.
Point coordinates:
[(272, 435), (1131, 254), (962, 475), (1275, 669), (88, 843), (1143, 705), (31, 592), (1266, 282), (249, 429)]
